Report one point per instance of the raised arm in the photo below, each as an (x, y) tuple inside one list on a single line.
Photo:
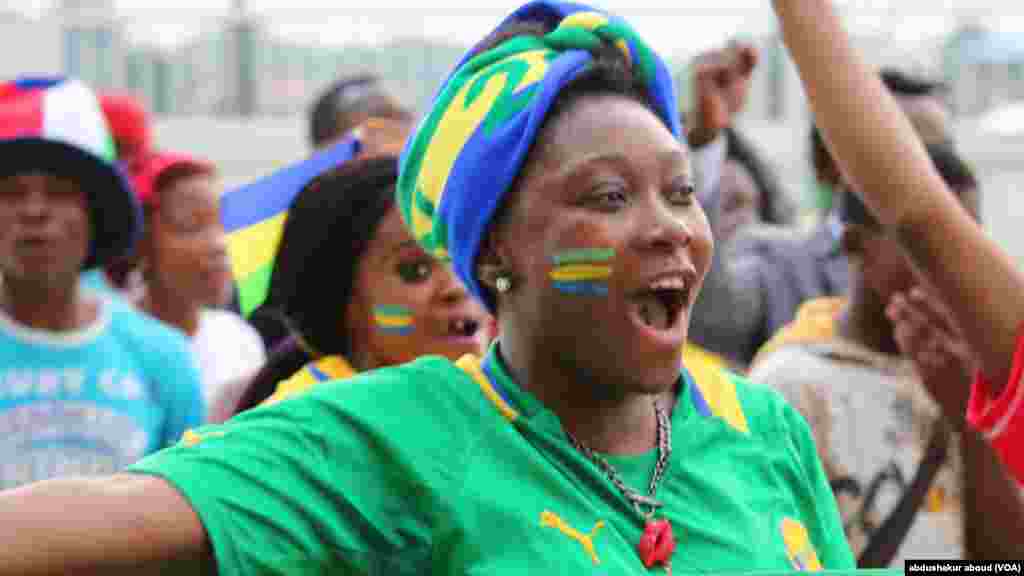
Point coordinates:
[(880, 154), (130, 524), (728, 312)]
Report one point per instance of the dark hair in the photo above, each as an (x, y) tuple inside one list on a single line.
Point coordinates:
[(957, 175), (178, 172), (819, 152), (331, 114), (329, 226), (774, 208), (898, 83)]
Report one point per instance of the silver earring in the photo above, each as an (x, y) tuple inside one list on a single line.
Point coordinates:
[(503, 284)]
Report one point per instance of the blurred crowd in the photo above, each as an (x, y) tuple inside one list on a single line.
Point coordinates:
[(122, 329)]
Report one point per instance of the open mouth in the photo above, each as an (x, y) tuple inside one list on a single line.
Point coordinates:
[(660, 306), (34, 243), (463, 327)]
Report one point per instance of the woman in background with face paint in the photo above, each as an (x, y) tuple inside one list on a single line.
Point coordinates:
[(550, 171), (362, 294)]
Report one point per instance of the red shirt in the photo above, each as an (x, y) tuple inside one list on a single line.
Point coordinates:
[(1001, 419)]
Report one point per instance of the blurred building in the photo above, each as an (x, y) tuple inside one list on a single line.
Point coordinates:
[(93, 42), (986, 68), (237, 67), (237, 92), (34, 45)]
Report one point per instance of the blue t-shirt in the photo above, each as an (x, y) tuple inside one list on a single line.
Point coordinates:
[(95, 400), (95, 280)]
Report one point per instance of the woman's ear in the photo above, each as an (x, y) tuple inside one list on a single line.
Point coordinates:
[(490, 265)]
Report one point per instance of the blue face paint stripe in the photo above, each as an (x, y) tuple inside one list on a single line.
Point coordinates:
[(581, 288)]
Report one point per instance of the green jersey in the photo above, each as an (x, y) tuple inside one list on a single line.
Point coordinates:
[(441, 468)]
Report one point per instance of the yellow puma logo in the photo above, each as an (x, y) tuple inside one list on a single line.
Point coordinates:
[(549, 519)]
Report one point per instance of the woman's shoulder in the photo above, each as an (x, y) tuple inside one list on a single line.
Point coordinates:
[(424, 388), (143, 334), (753, 409), (326, 369)]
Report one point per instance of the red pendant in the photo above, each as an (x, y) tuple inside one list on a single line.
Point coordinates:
[(657, 543)]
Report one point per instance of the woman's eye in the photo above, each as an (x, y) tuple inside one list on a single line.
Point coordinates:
[(414, 272), (185, 223), (682, 194), (608, 196)]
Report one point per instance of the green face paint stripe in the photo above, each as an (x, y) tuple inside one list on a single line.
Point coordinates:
[(390, 310), (583, 256)]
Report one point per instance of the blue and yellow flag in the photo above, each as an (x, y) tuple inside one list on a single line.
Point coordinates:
[(254, 217)]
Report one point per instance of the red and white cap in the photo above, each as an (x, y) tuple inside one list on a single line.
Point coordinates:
[(55, 125)]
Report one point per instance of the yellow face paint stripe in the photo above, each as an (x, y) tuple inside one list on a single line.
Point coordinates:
[(575, 272), (471, 365), (391, 321)]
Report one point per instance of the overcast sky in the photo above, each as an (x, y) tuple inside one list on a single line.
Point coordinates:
[(673, 26)]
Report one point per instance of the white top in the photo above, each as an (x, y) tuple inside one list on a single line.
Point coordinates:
[(226, 348), (872, 419)]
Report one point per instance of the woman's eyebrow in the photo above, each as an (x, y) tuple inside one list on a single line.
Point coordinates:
[(395, 248)]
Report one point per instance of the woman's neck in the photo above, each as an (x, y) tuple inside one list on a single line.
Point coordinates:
[(361, 358), (611, 424), (165, 306), (863, 321), (52, 308)]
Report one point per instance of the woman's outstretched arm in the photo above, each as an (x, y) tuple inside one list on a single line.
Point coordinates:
[(130, 524), (880, 154)]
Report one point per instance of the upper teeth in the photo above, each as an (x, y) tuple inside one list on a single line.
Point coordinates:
[(461, 325), (673, 283)]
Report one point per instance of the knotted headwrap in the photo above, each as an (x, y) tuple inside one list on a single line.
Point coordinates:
[(467, 151)]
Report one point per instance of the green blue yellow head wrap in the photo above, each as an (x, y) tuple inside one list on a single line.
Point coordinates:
[(467, 151)]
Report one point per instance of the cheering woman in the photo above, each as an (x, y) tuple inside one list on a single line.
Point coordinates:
[(550, 171)]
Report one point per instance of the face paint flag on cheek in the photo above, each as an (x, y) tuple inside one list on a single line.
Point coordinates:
[(395, 320), (470, 147), (582, 272)]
